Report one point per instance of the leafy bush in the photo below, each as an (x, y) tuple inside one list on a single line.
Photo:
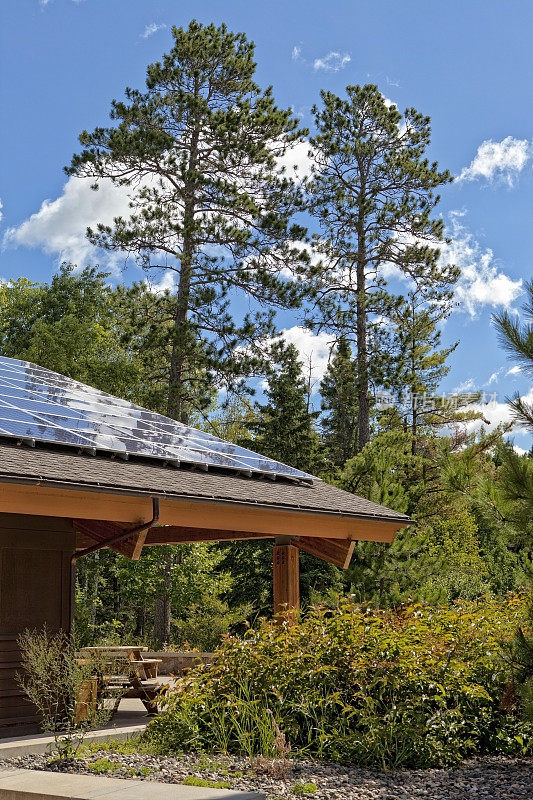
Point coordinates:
[(415, 687), (63, 688)]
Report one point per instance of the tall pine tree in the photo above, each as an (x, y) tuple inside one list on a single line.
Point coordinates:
[(283, 429), (199, 154), (516, 336), (419, 363), (373, 193)]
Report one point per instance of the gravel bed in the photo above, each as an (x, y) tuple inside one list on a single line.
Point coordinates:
[(493, 778)]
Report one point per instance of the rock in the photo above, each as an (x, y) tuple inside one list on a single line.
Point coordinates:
[(494, 778)]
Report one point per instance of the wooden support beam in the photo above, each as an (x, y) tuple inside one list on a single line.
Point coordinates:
[(286, 578), (173, 534), (138, 545), (336, 551), (90, 531), (99, 531)]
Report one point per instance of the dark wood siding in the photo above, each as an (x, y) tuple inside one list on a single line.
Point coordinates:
[(34, 591)]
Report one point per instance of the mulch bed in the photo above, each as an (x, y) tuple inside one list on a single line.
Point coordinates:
[(494, 778)]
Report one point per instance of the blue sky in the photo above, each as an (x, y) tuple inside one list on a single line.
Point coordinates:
[(467, 64)]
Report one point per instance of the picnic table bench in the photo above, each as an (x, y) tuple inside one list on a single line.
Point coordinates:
[(125, 673)]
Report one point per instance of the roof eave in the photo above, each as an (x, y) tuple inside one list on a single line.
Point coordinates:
[(401, 520)]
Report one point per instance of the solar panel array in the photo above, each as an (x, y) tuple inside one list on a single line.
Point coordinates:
[(38, 405)]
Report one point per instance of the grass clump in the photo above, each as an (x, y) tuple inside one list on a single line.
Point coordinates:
[(191, 780), (66, 690), (132, 746), (414, 687), (301, 789), (212, 765), (103, 766), (138, 772)]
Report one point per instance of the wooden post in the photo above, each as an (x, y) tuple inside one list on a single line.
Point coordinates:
[(286, 577)]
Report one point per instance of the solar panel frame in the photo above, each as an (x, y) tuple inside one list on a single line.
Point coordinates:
[(40, 405)]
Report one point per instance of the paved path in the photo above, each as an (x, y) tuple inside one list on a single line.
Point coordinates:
[(131, 720), (27, 784)]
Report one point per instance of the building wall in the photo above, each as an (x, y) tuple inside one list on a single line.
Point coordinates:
[(34, 591)]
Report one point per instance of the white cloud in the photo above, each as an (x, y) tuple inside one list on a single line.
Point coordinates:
[(494, 413), (519, 450), (59, 227), (166, 283), (1, 207), (504, 160), (465, 386), (388, 102), (332, 62), (514, 370), (481, 283), (297, 160), (152, 28), (314, 350), (493, 378), (44, 3)]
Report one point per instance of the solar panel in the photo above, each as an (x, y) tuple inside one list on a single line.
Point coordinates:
[(43, 406)]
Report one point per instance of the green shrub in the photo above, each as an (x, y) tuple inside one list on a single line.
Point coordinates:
[(415, 687)]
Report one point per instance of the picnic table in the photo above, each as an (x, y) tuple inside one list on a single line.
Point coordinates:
[(125, 672)]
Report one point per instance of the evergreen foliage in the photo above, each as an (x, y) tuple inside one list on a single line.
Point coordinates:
[(373, 193), (516, 336), (418, 365), (284, 426), (338, 391), (200, 154)]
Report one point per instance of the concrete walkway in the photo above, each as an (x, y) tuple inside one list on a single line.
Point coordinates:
[(130, 720), (28, 784)]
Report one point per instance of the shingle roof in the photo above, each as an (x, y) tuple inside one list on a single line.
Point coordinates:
[(69, 469)]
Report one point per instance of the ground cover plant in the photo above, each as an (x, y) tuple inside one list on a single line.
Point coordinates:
[(418, 686)]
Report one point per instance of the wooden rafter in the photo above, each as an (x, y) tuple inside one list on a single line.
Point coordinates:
[(336, 551)]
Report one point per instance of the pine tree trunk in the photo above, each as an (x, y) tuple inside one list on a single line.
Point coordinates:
[(116, 597), (96, 578), (140, 613), (363, 411), (162, 610), (414, 398), (176, 404), (162, 620)]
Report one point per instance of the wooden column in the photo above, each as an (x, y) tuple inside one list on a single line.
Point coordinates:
[(286, 577)]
